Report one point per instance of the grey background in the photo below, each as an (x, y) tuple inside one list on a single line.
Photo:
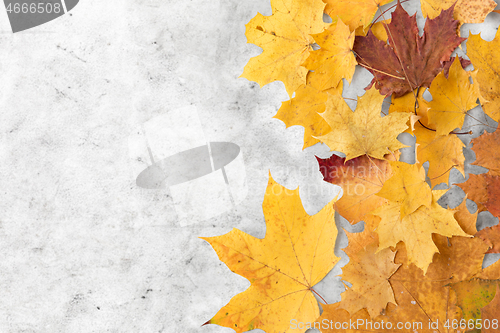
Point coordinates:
[(83, 249)]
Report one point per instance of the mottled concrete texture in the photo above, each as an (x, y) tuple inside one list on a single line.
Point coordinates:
[(83, 248)]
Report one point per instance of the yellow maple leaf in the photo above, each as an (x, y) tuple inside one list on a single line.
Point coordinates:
[(377, 29), (466, 11), (355, 13), (296, 253), (407, 187), (443, 152), (415, 230), (369, 276), (304, 110), (484, 57), (406, 103), (363, 131), (451, 98), (335, 59), (285, 38)]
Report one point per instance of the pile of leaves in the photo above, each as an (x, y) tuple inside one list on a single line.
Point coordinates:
[(415, 261)]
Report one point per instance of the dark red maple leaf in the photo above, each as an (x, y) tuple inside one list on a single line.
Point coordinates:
[(422, 57)]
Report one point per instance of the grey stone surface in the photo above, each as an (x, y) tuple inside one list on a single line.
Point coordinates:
[(83, 248)]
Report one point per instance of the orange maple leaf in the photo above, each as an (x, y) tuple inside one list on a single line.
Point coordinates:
[(484, 190), (360, 179), (491, 236), (487, 152), (491, 314), (368, 272), (420, 298)]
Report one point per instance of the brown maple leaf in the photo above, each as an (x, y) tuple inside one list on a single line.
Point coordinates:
[(410, 60), (484, 190), (487, 152), (491, 236)]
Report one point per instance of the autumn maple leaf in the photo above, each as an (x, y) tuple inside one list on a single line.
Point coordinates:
[(296, 253), (334, 60), (491, 236), (491, 312), (466, 11), (487, 152), (355, 13), (407, 187), (452, 97), (484, 190), (466, 219), (410, 60), (304, 110), (484, 57), (420, 298), (363, 131), (444, 152), (368, 272), (416, 229), (360, 179), (285, 37)]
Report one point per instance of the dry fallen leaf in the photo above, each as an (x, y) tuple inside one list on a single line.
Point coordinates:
[(369, 275), (296, 253), (285, 38), (484, 190), (491, 313), (407, 188), (465, 219), (410, 60), (487, 152), (443, 152), (304, 110), (473, 295), (355, 13), (363, 131), (491, 236), (466, 11), (452, 97), (360, 178), (484, 57), (334, 60), (421, 299), (416, 229)]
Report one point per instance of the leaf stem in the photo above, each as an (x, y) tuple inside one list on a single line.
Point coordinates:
[(314, 291)]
